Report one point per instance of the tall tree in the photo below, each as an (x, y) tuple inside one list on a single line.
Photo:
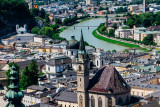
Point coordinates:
[(33, 68), (35, 30), (148, 40), (58, 21), (114, 26), (25, 78), (42, 13), (47, 31)]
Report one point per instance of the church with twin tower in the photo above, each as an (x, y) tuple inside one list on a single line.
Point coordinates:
[(106, 89)]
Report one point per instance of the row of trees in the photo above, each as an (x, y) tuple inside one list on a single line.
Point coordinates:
[(28, 77), (145, 19)]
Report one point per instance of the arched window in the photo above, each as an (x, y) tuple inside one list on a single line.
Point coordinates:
[(109, 102), (92, 101), (99, 102), (72, 52), (80, 101), (119, 100), (97, 62)]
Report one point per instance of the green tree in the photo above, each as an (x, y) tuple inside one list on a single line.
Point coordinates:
[(114, 51), (114, 26), (34, 12), (35, 30), (148, 40), (54, 27), (9, 70), (47, 20), (130, 23), (51, 42), (47, 31), (42, 13), (103, 28), (126, 51), (157, 18), (58, 21), (66, 21), (33, 68), (25, 78), (111, 33)]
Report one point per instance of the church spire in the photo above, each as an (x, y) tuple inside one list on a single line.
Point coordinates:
[(82, 44)]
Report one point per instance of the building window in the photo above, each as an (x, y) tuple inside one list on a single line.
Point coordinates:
[(80, 68), (119, 100), (80, 101), (97, 62), (48, 68), (109, 102), (102, 62), (92, 101), (72, 52), (99, 102)]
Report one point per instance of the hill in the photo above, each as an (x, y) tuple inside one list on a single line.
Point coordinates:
[(14, 12)]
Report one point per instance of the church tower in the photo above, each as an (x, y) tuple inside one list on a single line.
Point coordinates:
[(144, 6), (82, 75), (106, 20)]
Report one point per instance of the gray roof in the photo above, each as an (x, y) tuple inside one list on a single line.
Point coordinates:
[(39, 94), (59, 60), (66, 96), (48, 85), (42, 105), (22, 64), (38, 88)]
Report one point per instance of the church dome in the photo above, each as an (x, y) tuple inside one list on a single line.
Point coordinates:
[(73, 43)]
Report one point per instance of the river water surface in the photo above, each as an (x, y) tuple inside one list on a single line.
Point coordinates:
[(87, 33)]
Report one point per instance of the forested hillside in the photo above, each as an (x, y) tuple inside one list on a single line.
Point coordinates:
[(14, 12)]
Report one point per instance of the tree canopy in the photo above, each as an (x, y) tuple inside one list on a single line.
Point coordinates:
[(14, 12)]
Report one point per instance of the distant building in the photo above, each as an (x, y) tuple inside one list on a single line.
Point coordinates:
[(133, 8), (123, 33), (21, 36), (88, 2), (58, 64), (137, 33)]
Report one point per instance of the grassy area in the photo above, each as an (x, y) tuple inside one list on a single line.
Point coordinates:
[(115, 41)]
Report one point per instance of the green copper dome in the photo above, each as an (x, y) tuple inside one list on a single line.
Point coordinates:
[(14, 95), (73, 43)]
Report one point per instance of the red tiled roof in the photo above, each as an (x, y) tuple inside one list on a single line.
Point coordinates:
[(108, 80)]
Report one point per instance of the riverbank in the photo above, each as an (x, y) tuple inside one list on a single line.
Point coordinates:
[(109, 40)]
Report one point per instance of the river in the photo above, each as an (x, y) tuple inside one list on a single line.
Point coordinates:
[(87, 33)]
